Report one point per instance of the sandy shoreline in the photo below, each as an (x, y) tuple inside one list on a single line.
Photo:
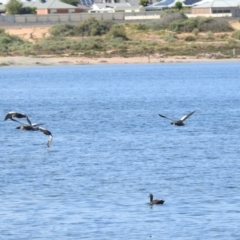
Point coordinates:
[(51, 61)]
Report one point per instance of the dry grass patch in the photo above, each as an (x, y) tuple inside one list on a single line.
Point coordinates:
[(32, 34)]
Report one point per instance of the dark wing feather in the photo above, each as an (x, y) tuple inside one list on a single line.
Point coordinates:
[(166, 117), (7, 116), (37, 124), (28, 120)]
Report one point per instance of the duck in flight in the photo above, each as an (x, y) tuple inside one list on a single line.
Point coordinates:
[(179, 122), (12, 115), (48, 133), (156, 201), (32, 127), (29, 127)]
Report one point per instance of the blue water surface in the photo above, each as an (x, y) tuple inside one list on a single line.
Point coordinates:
[(111, 149)]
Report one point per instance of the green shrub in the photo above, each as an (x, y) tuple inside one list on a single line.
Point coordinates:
[(115, 42), (62, 30), (117, 31), (178, 22), (190, 38), (10, 39), (166, 19), (189, 25), (141, 26), (210, 35), (5, 40), (236, 34), (195, 31), (176, 26), (170, 37), (223, 36), (90, 27), (213, 24), (2, 31)]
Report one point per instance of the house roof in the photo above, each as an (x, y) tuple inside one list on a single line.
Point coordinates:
[(48, 4), (164, 3), (84, 7), (170, 3), (190, 2), (218, 3), (87, 3)]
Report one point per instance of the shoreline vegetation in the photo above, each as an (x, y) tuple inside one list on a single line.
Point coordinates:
[(172, 38)]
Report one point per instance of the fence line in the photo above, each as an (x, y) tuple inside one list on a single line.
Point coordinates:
[(52, 19), (73, 17)]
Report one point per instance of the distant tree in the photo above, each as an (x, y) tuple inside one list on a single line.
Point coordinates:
[(28, 10), (178, 5), (144, 3), (71, 2), (13, 7)]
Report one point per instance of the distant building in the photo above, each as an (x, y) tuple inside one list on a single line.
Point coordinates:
[(51, 7), (90, 3), (164, 4), (111, 7), (231, 7)]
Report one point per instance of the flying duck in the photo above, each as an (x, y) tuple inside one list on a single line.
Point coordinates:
[(179, 122), (157, 201), (32, 127), (48, 133), (12, 115)]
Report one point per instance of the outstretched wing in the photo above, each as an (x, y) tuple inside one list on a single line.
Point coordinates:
[(166, 117), (37, 124), (187, 116), (28, 120), (46, 132), (9, 115), (12, 115), (49, 141), (18, 121)]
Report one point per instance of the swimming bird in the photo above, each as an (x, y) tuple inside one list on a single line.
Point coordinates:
[(48, 133), (179, 122), (157, 201), (12, 115)]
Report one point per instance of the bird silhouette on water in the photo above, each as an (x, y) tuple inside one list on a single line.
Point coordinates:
[(30, 126), (156, 201), (179, 122)]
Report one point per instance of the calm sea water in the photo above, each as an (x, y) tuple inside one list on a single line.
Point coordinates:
[(111, 149)]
